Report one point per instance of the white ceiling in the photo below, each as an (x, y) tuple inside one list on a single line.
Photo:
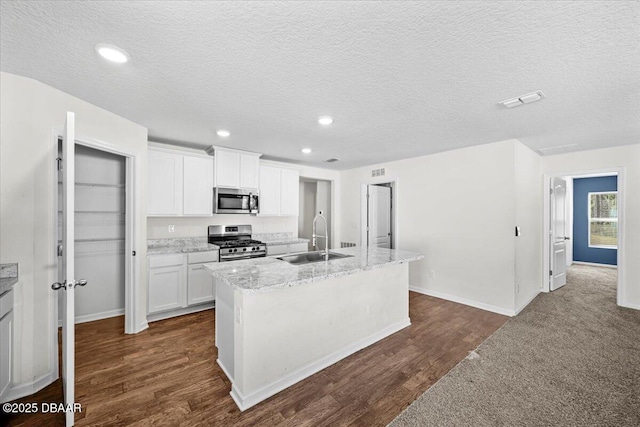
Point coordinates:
[(401, 78)]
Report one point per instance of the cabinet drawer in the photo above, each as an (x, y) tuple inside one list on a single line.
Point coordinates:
[(6, 303), (202, 257), (166, 260)]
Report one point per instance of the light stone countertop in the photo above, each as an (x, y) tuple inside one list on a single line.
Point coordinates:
[(283, 238), (266, 274), (178, 246), (8, 277)]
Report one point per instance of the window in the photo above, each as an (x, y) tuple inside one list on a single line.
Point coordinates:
[(603, 219)]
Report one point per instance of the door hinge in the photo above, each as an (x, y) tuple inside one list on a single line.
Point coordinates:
[(59, 163), (550, 272), (133, 253), (59, 250), (551, 191)]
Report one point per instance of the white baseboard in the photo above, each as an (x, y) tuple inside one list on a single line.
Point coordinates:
[(465, 301), (246, 402), (527, 302), (594, 264), (630, 305), (96, 316), (173, 313), (18, 391)]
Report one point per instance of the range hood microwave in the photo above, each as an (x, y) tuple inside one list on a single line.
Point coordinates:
[(234, 201)]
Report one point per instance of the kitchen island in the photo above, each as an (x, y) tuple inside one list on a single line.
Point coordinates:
[(278, 323)]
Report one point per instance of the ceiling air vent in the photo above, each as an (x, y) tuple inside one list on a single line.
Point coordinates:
[(559, 149), (331, 160), (378, 172)]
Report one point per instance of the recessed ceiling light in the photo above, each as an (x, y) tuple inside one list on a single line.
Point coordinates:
[(325, 120), (112, 53), (524, 99), (223, 133), (306, 150)]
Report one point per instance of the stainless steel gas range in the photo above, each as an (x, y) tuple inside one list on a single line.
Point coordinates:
[(235, 242)]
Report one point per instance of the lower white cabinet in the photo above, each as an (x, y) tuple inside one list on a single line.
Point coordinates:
[(6, 338), (286, 249), (179, 280)]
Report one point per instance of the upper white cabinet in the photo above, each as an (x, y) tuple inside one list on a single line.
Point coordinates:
[(234, 168), (165, 183), (180, 183), (289, 192), (198, 186), (279, 191)]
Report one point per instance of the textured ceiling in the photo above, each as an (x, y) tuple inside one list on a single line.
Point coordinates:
[(401, 78)]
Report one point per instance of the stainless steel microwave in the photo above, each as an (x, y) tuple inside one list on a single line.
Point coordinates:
[(234, 201)]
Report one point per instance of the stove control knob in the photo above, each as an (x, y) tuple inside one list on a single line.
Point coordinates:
[(235, 250), (244, 249)]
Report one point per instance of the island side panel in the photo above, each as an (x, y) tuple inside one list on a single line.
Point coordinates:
[(225, 327), (290, 333)]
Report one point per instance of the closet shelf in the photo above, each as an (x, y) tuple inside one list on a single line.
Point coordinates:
[(96, 240), (98, 212), (92, 184)]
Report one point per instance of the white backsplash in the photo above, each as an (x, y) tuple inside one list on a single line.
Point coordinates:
[(158, 228)]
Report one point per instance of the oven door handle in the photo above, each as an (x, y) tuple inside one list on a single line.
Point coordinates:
[(241, 257)]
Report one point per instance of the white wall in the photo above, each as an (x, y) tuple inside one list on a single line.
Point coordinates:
[(528, 205), (458, 208), (28, 113), (307, 202), (627, 157)]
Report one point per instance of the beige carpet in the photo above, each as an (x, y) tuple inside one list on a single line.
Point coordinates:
[(571, 358)]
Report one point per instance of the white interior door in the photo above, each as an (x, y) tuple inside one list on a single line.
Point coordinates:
[(67, 287), (379, 216), (558, 234)]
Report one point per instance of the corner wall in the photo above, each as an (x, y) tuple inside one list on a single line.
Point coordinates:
[(29, 112), (458, 209)]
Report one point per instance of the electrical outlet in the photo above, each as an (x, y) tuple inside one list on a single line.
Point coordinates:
[(431, 275), (517, 288), (368, 310), (172, 228)]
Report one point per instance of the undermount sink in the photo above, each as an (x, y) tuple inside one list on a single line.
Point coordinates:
[(309, 257)]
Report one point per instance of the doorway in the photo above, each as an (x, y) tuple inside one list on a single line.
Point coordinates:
[(315, 196), (583, 212), (100, 210), (106, 182), (378, 215)]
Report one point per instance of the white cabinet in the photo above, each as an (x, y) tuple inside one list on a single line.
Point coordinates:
[(200, 283), (179, 183), (249, 171), (6, 341), (198, 186), (178, 281), (286, 248), (227, 169), (235, 168), (167, 282), (290, 192), (269, 190), (164, 186), (279, 191)]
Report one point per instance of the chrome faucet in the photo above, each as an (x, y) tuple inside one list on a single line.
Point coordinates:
[(326, 235)]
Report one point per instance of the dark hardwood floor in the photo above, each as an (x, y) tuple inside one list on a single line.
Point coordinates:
[(167, 375)]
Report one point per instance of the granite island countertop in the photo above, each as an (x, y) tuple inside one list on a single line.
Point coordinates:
[(8, 277), (179, 246), (266, 274)]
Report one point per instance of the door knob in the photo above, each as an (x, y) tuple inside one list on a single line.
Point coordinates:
[(567, 238), (81, 282), (57, 286)]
